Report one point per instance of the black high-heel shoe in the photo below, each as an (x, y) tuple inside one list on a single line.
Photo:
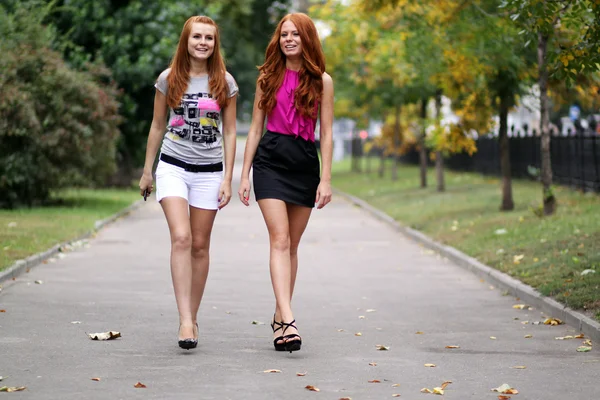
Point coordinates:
[(278, 346), (291, 345), (188, 343)]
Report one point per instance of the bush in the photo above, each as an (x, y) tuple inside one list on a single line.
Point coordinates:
[(58, 126)]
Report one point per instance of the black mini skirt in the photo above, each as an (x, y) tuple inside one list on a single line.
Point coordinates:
[(286, 168)]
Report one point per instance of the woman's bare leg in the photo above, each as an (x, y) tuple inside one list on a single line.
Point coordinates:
[(298, 220), (176, 212), (201, 227)]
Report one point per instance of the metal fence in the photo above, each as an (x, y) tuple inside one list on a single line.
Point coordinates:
[(575, 159)]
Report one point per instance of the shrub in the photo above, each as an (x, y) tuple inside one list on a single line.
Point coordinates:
[(58, 126)]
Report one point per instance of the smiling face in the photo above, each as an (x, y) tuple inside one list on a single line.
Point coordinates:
[(201, 42), (289, 40)]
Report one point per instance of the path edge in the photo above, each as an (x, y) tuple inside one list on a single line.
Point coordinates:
[(20, 266), (525, 293)]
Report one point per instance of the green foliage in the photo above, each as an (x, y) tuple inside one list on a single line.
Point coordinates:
[(58, 126), (572, 28), (136, 40)]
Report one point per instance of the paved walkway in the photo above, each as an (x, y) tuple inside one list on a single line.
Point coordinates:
[(356, 275)]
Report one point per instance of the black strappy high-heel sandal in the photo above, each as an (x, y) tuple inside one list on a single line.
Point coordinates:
[(188, 343), (278, 346), (291, 345)]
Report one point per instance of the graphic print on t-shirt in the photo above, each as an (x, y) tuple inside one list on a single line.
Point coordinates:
[(196, 119)]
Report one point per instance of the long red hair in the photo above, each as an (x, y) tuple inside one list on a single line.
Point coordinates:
[(179, 76), (272, 72)]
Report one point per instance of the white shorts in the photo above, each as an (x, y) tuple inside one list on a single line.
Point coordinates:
[(200, 189)]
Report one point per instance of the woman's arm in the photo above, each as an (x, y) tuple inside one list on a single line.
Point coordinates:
[(326, 141), (157, 130), (254, 135), (229, 135)]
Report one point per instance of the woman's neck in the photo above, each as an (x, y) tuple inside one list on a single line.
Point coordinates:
[(293, 64), (198, 68)]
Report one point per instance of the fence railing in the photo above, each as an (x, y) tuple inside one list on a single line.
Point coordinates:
[(575, 159)]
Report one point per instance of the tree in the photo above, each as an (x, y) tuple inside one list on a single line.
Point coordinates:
[(58, 126), (567, 33), (136, 40)]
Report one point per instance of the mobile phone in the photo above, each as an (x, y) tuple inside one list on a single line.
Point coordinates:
[(145, 194)]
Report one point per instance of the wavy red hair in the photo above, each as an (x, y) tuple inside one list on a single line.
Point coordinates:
[(308, 92), (179, 76)]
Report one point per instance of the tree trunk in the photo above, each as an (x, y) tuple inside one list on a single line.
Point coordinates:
[(507, 197), (422, 149), (439, 157), (397, 138), (548, 194), (367, 158), (355, 152), (381, 162)]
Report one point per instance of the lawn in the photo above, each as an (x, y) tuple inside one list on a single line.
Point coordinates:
[(548, 253), (26, 231)]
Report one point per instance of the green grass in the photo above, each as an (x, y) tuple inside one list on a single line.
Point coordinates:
[(555, 249), (24, 232)]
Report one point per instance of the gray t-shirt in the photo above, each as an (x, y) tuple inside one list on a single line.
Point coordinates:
[(193, 133)]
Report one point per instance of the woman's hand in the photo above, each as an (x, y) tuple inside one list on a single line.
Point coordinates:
[(146, 184), (244, 191), (323, 194), (224, 193)]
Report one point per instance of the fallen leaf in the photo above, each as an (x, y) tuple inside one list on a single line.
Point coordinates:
[(257, 323), (430, 365), (139, 385), (395, 395), (528, 336), (39, 282), (96, 379), (419, 333), (553, 321), (301, 373), (580, 336), (10, 389), (1, 378), (345, 398), (438, 390), (453, 347), (584, 349), (505, 389), (371, 310), (373, 364), (374, 381), (493, 337), (517, 259), (75, 322), (519, 367), (271, 371), (2, 310), (382, 347), (587, 342), (501, 397), (521, 307), (361, 317), (105, 335), (445, 384), (396, 385), (341, 330), (358, 334), (312, 388), (425, 390)]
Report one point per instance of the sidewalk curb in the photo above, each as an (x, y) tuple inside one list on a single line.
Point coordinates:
[(20, 266), (516, 288)]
